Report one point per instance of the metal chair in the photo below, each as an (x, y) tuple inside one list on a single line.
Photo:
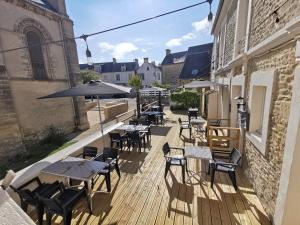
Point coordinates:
[(147, 131), (118, 139), (89, 151), (185, 125), (174, 160), (63, 203), (136, 138), (226, 167), (29, 197), (110, 156)]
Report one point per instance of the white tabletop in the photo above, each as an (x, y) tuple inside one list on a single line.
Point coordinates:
[(75, 168), (11, 213), (128, 127), (197, 121), (198, 152)]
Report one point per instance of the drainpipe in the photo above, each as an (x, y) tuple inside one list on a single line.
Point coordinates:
[(76, 120)]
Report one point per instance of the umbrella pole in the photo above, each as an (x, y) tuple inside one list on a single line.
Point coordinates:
[(101, 125)]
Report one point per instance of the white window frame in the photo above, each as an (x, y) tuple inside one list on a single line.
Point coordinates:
[(116, 75), (266, 79)]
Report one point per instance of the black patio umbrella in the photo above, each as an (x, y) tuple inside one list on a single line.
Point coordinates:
[(93, 88)]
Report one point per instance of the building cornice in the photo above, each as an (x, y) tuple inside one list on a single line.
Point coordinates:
[(29, 5), (291, 32)]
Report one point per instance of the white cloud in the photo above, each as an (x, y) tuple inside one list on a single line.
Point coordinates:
[(189, 36), (202, 25), (119, 50), (106, 46), (174, 42), (144, 50), (178, 41), (198, 27)]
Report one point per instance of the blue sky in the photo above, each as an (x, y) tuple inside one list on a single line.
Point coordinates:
[(150, 39)]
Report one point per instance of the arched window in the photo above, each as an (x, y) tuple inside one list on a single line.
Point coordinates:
[(34, 42)]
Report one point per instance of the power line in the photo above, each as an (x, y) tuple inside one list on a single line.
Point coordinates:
[(85, 36)]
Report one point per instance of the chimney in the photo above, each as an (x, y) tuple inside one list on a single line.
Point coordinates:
[(114, 60), (136, 61), (153, 63), (145, 60), (168, 51)]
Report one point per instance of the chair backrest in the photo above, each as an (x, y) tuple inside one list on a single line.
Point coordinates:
[(166, 148), (52, 204), (114, 136), (89, 151), (25, 194), (133, 122), (110, 153), (235, 156), (135, 136)]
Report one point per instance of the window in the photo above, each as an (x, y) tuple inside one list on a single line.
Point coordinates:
[(117, 76), (98, 69), (260, 99), (158, 76), (123, 68), (142, 76), (195, 72), (36, 55), (259, 95), (147, 68)]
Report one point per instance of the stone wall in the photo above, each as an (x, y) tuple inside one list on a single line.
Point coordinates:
[(10, 135), (22, 115), (229, 37), (170, 74), (264, 170), (263, 25)]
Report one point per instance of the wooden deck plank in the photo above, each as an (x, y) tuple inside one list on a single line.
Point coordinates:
[(143, 196)]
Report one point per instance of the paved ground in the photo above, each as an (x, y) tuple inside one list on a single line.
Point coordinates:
[(93, 118)]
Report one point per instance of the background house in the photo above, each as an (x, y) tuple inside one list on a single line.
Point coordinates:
[(36, 71), (255, 55), (149, 73), (197, 63), (171, 67), (115, 72)]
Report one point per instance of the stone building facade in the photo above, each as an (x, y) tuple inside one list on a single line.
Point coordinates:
[(38, 70), (256, 55), (171, 67)]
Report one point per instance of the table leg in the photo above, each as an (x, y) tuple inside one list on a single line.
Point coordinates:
[(89, 183), (197, 174)]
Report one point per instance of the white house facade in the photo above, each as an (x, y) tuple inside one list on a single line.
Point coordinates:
[(149, 73)]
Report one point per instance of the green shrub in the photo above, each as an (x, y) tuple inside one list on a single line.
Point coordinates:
[(186, 99), (54, 136)]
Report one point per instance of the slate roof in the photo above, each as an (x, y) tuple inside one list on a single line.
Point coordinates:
[(174, 58), (198, 62), (44, 4), (109, 67)]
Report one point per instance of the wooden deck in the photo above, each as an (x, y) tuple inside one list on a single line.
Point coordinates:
[(143, 196)]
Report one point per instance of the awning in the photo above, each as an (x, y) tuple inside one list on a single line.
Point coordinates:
[(200, 84)]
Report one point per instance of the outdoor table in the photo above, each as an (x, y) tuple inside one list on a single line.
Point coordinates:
[(132, 128), (193, 112), (77, 169), (152, 113), (198, 122), (155, 108), (198, 152)]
